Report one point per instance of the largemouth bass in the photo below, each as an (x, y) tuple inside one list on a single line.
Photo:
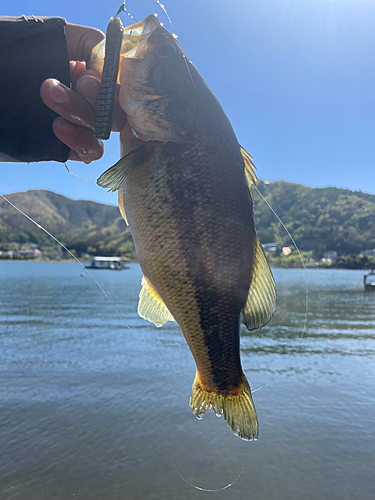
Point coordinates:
[(185, 191)]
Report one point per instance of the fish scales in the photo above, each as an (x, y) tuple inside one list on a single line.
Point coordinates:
[(184, 191), (193, 232)]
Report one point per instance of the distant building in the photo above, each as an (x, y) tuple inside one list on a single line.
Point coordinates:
[(329, 256), (270, 247), (35, 252), (369, 252)]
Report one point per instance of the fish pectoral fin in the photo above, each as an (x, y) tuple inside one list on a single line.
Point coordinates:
[(250, 168), (151, 306), (261, 299), (238, 409), (121, 206), (115, 177)]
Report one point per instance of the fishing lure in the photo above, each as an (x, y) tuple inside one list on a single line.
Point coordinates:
[(107, 93)]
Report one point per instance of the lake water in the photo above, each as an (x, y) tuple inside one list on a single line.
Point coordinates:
[(94, 400)]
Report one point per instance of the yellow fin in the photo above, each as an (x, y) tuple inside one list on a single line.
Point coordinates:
[(151, 306), (121, 205), (261, 299), (238, 410), (250, 168), (115, 177)]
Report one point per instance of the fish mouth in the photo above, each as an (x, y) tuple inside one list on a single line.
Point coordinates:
[(145, 27), (135, 37), (134, 42)]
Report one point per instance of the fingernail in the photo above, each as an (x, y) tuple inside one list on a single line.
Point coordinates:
[(89, 87), (84, 158), (58, 93), (64, 127), (89, 155)]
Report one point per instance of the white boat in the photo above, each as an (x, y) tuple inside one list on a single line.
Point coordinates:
[(369, 281), (114, 263)]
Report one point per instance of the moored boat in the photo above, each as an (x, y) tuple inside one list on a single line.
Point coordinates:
[(113, 263), (369, 281)]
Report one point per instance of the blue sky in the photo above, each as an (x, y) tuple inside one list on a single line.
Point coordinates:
[(296, 78)]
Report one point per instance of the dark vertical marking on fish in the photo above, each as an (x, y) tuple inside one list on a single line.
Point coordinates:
[(221, 338), (107, 94), (220, 329)]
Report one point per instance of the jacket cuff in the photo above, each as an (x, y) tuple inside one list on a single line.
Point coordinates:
[(32, 49)]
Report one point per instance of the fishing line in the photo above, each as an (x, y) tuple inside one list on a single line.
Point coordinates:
[(207, 489), (281, 237), (96, 282), (76, 175), (190, 483), (290, 236), (204, 444), (122, 9), (197, 487), (165, 12), (304, 327)]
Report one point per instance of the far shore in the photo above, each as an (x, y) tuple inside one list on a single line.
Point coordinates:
[(308, 266), (60, 261)]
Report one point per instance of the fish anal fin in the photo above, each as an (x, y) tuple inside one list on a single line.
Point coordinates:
[(121, 205), (115, 177), (151, 307), (261, 299), (238, 409)]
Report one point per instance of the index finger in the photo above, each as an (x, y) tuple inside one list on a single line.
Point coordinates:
[(81, 40)]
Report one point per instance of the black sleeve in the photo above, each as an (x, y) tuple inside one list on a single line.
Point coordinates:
[(31, 50)]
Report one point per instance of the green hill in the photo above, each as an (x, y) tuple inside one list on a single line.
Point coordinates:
[(80, 225), (319, 220)]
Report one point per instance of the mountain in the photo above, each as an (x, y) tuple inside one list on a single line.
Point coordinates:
[(80, 225), (319, 219)]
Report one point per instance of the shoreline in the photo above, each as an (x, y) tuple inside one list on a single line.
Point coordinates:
[(86, 261)]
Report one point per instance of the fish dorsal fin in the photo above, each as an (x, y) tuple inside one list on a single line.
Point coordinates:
[(261, 299), (250, 168), (151, 306), (121, 205), (115, 177)]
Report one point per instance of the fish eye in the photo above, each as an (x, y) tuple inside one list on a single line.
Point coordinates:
[(166, 50)]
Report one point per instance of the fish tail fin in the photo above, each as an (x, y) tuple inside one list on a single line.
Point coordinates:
[(238, 409)]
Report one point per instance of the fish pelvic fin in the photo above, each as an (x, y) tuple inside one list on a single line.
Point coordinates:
[(115, 177), (238, 409), (151, 307), (261, 299)]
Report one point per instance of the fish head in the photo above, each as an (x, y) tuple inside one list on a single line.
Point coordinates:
[(129, 42), (157, 92)]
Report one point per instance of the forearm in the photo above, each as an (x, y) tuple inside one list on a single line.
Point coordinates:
[(31, 50)]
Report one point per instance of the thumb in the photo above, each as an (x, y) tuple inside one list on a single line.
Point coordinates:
[(81, 40)]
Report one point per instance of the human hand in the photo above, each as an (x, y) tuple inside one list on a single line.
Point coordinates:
[(77, 106)]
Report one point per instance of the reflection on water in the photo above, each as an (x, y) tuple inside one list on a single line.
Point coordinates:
[(94, 403)]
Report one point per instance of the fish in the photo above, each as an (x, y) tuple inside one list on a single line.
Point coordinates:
[(185, 191)]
